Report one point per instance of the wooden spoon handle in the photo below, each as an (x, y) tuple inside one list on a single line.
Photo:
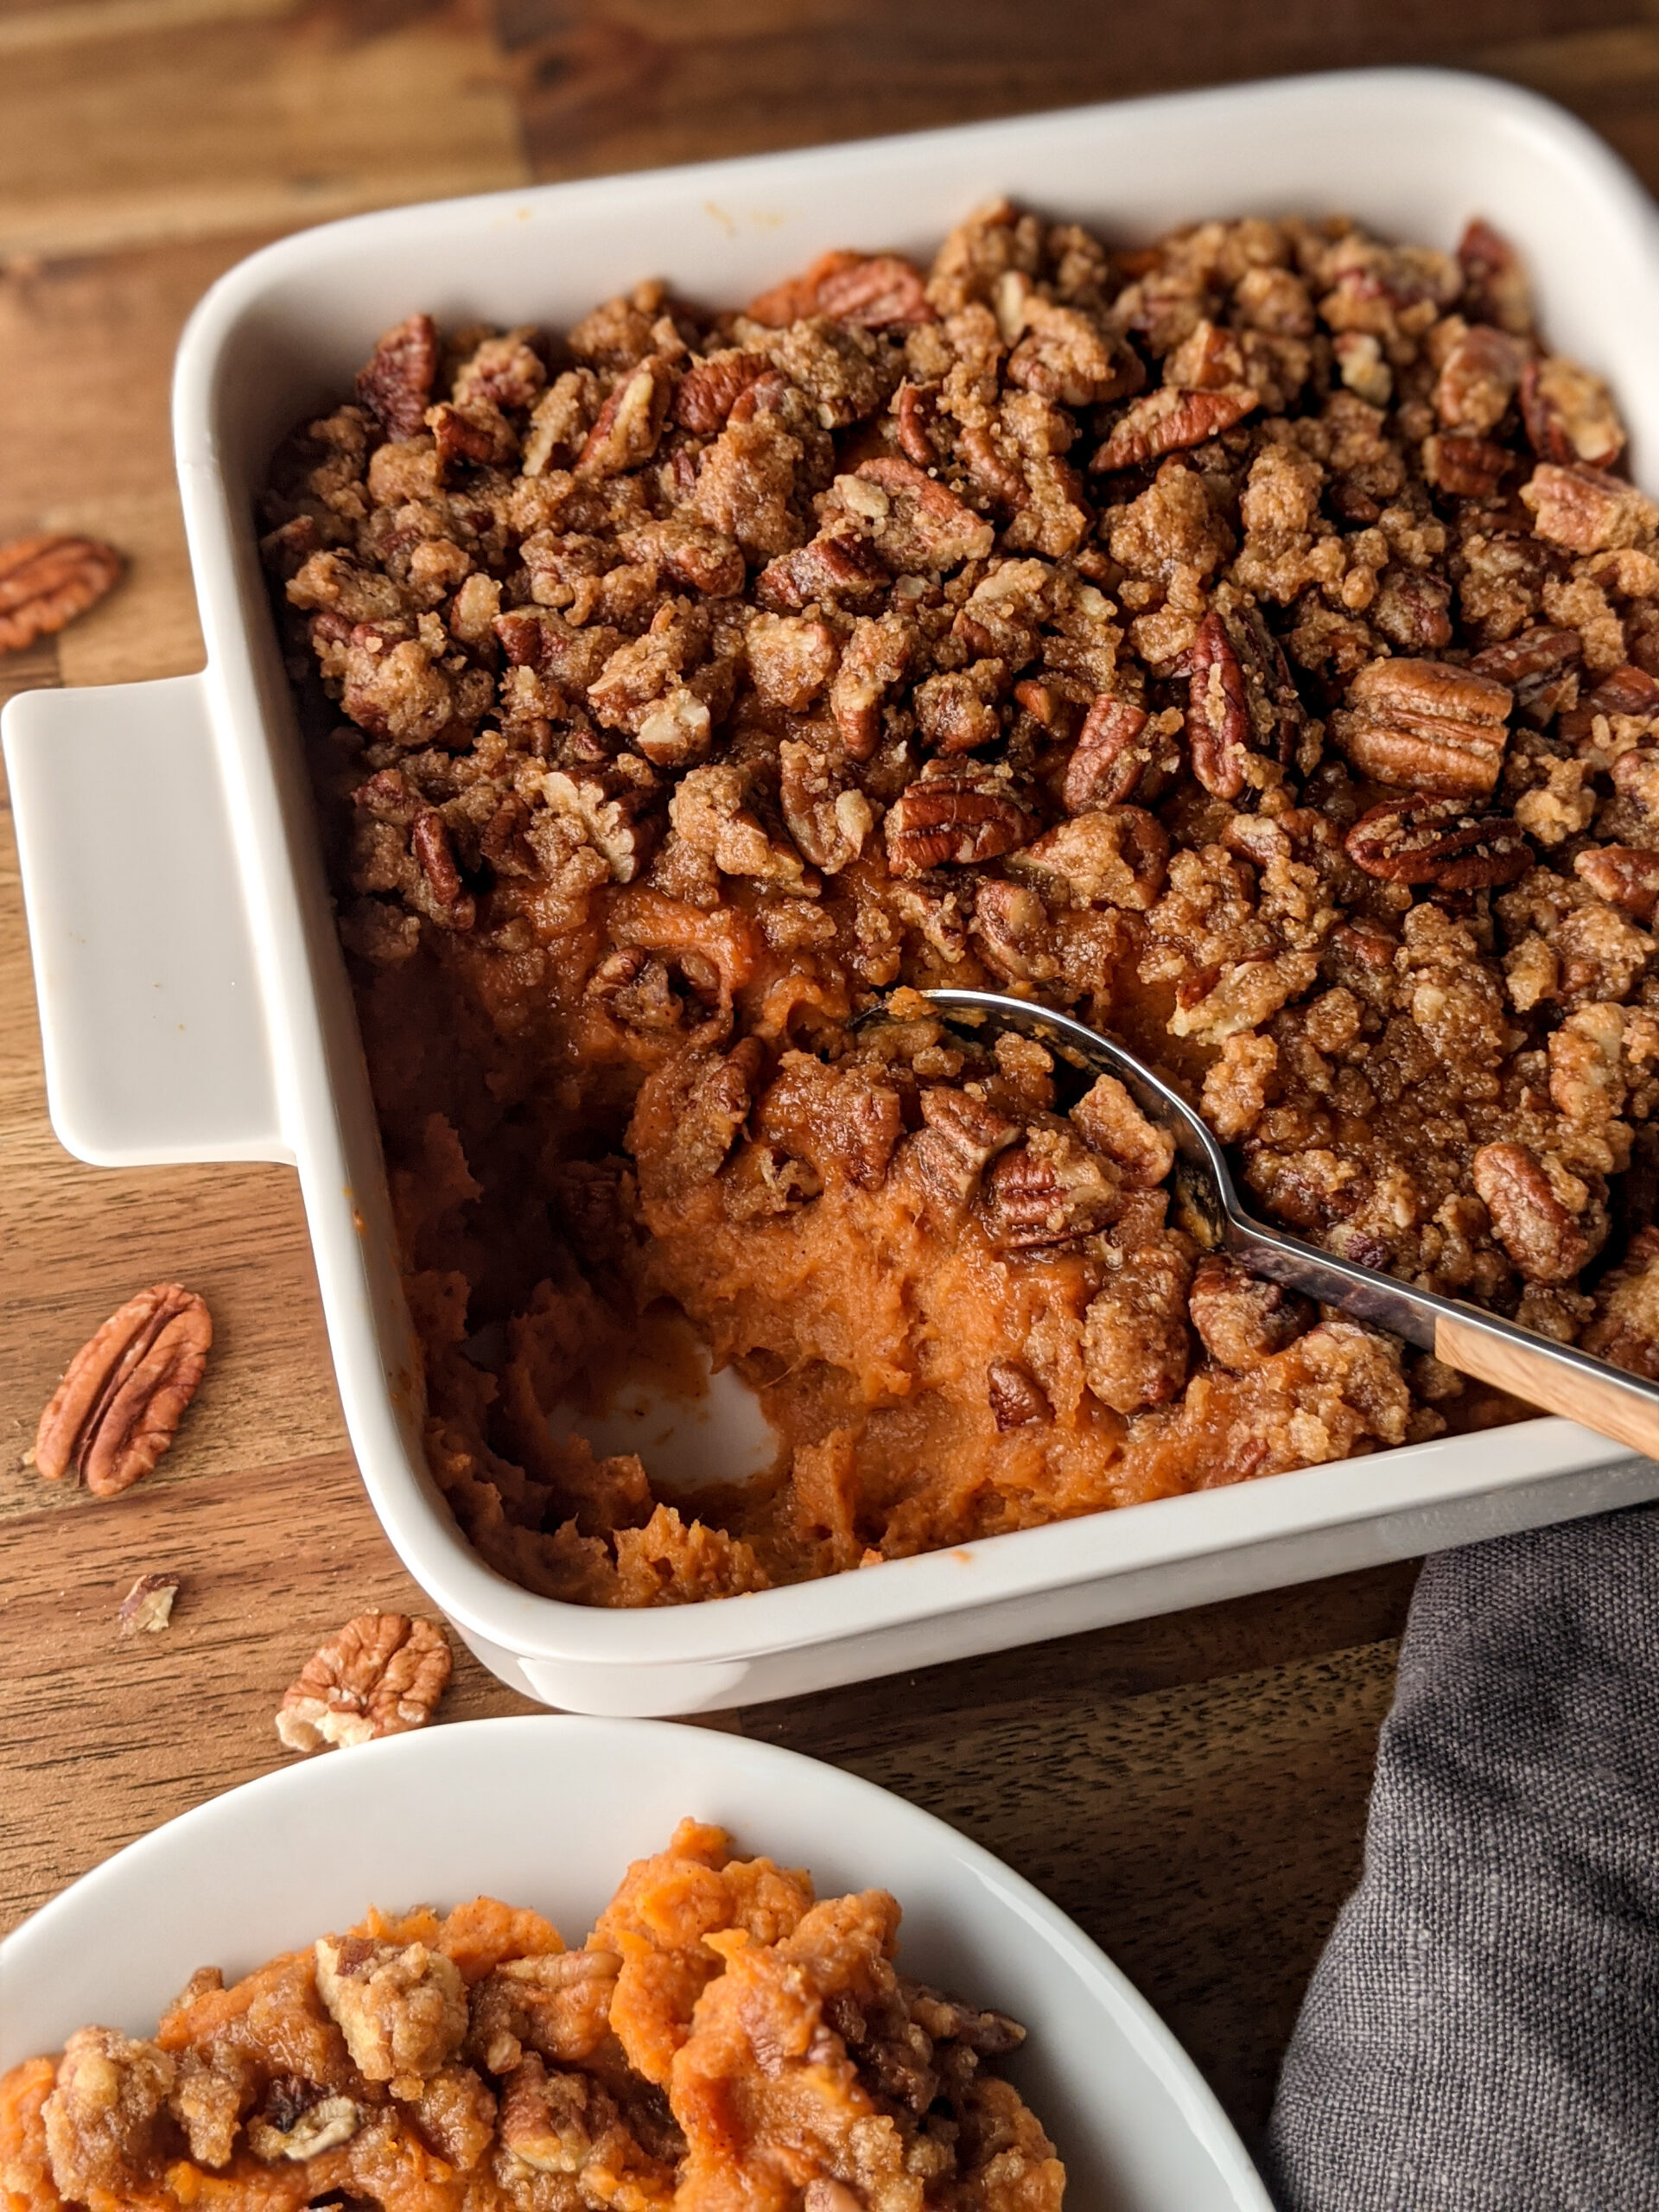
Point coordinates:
[(1606, 1403)]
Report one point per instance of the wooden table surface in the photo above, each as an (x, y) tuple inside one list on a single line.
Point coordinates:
[(1194, 1789)]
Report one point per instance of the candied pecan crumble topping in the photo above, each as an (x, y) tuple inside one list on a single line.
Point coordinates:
[(723, 2038), (1249, 640)]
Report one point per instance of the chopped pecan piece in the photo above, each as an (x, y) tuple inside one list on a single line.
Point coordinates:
[(1629, 690), (1544, 1235), (830, 820), (148, 1606), (612, 810), (959, 1137), (1584, 509), (1466, 467), (380, 1675), (125, 1391), (1424, 840), (836, 565), (1015, 1395), (1242, 704), (397, 385), (1570, 415), (711, 809), (1624, 875), (1536, 665), (1050, 1191), (956, 814), (1494, 286), (1111, 856), (1169, 419), (705, 395), (1478, 379), (49, 579), (1120, 754), (474, 431), (917, 525), (1241, 1319), (630, 422), (297, 2120), (1425, 726), (401, 2008), (430, 842)]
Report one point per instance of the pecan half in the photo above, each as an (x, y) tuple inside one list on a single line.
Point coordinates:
[(1569, 414), (1120, 754), (1169, 419), (397, 385), (1424, 840), (1425, 726), (956, 813), (125, 1393), (1624, 875), (1015, 1397), (876, 294), (1545, 1240), (379, 1675), (49, 579)]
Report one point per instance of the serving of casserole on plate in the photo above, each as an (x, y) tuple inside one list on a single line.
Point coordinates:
[(1241, 638), (472, 2058)]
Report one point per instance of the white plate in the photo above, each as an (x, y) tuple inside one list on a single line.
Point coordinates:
[(548, 1813), (193, 1000)]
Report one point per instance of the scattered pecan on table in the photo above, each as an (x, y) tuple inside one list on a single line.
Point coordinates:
[(125, 1391), (381, 1674), (47, 579), (148, 1606)]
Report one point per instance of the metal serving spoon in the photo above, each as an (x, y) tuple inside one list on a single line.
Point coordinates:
[(1556, 1376)]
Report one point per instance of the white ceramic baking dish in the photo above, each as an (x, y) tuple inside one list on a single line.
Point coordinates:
[(193, 1001)]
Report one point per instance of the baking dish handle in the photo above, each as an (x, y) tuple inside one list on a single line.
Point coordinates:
[(151, 1015)]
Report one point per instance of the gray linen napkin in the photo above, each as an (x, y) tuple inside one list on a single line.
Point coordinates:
[(1483, 2029)]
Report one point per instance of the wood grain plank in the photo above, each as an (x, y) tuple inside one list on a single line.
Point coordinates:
[(1061, 1684), (106, 1737), (187, 122), (618, 84)]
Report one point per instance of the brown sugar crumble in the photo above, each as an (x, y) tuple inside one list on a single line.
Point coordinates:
[(1249, 640), (722, 2042)]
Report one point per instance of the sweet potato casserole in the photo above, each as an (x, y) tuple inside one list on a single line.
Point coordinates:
[(722, 2042), (1249, 641)]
